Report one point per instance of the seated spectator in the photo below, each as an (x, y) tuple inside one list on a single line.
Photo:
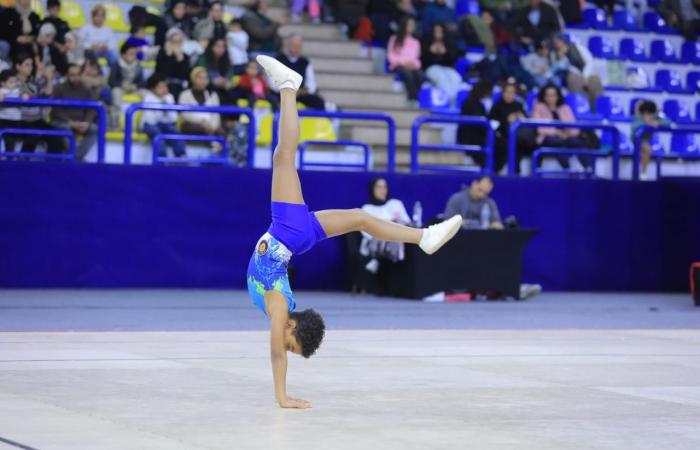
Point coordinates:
[(81, 121), (538, 65), (126, 75), (473, 105), (550, 105), (478, 31), (505, 111), (313, 8), (10, 117), (212, 27), (682, 15), (263, 31), (74, 50), (438, 12), (220, 70), (154, 123), (308, 92), (439, 57), (39, 84), (575, 66), (97, 37), (93, 78), (18, 28), (404, 53), (198, 94), (172, 62), (237, 41), (536, 22), (48, 52), (139, 16), (478, 210), (646, 113), (385, 16), (254, 87), (503, 10), (137, 39), (177, 17), (53, 9)]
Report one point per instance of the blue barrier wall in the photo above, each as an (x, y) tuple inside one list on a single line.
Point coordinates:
[(73, 225)]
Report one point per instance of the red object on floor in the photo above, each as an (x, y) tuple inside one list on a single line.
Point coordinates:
[(458, 297)]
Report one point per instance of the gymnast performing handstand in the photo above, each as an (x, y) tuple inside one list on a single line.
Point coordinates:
[(295, 230)]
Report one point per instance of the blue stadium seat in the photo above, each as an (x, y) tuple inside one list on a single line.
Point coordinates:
[(464, 7), (697, 110), (654, 22), (633, 49), (611, 108), (662, 51), (669, 81), (625, 20), (624, 143), (601, 47), (581, 107), (677, 111), (530, 101), (433, 98), (595, 18), (684, 143), (693, 82), (690, 52), (461, 66)]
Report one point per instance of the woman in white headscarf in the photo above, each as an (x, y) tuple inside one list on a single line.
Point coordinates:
[(48, 53)]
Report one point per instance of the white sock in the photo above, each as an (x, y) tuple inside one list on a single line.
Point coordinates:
[(423, 238), (287, 85)]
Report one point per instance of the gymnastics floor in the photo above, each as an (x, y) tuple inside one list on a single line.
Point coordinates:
[(158, 369)]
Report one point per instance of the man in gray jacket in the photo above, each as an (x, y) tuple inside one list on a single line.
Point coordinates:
[(473, 203)]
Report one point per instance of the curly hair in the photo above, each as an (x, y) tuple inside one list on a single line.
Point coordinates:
[(309, 330)]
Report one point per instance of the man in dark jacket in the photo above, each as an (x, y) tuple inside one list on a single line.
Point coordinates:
[(53, 7), (535, 22), (682, 15), (263, 31)]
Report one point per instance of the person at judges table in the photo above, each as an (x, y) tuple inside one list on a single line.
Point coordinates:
[(473, 203)]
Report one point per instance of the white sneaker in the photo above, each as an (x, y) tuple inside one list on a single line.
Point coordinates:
[(435, 236), (281, 75)]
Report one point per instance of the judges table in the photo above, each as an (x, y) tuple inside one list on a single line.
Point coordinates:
[(474, 260)]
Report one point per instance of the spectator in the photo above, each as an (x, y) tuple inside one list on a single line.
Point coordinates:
[(253, 86), (237, 41), (97, 37), (18, 28), (538, 65), (646, 113), (93, 78), (503, 10), (352, 14), (139, 16), (478, 30), (220, 70), (682, 15), (385, 17), (438, 12), (536, 22), (10, 117), (172, 62), (575, 66), (198, 94), (403, 53), (137, 39), (48, 52), (154, 123), (81, 121), (505, 111), (75, 51), (39, 84), (177, 17), (212, 27), (478, 210), (550, 105), (263, 31), (126, 75), (474, 106), (308, 92), (53, 8), (439, 57), (313, 8), (195, 11)]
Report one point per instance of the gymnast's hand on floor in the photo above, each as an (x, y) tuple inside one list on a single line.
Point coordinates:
[(294, 403)]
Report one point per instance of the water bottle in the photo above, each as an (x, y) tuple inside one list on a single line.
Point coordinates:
[(417, 215), (485, 217)]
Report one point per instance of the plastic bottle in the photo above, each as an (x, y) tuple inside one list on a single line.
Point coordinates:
[(485, 217), (417, 215)]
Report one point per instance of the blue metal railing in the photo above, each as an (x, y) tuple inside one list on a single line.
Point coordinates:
[(222, 158), (80, 104), (581, 125), (391, 128), (416, 147), (129, 128), (38, 132), (304, 164), (541, 152), (673, 129)]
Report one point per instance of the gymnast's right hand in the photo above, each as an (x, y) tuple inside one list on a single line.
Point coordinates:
[(294, 403)]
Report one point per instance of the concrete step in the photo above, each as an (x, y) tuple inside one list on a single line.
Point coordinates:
[(343, 65), (335, 49), (403, 158), (341, 80), (403, 117), (311, 32), (359, 99), (377, 135)]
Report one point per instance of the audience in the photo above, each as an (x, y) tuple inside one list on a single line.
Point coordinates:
[(682, 15), (154, 123), (439, 57), (172, 61), (95, 81), (438, 12), (137, 38), (53, 9), (536, 22), (646, 113), (294, 58), (177, 17), (473, 106), (126, 75), (74, 49), (403, 53), (262, 31), (538, 65), (19, 27), (48, 53), (506, 110), (97, 37), (198, 94), (212, 27), (254, 87), (220, 70), (237, 41), (81, 121), (10, 117), (313, 8), (574, 64), (478, 210)]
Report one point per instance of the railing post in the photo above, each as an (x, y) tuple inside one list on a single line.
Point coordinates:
[(101, 133), (512, 148), (489, 149), (391, 145), (414, 143), (128, 127), (615, 153)]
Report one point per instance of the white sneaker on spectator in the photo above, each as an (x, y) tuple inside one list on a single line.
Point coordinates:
[(281, 75), (435, 236)]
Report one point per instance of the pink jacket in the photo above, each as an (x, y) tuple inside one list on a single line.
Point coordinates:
[(409, 52), (541, 112)]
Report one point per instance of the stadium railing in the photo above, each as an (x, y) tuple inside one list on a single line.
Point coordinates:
[(80, 104), (416, 146), (221, 158), (391, 129), (672, 129), (38, 132), (303, 163)]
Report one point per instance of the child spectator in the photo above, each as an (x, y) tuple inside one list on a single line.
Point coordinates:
[(75, 51), (53, 8), (254, 86), (237, 41), (161, 122), (10, 117), (647, 113), (138, 40), (537, 64), (404, 58), (95, 81), (126, 75), (97, 37)]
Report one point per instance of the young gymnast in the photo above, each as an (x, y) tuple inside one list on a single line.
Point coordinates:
[(295, 230)]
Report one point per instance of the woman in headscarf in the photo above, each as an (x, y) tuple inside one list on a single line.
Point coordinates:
[(19, 27)]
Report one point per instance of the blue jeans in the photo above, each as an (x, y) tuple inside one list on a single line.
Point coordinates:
[(154, 129)]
